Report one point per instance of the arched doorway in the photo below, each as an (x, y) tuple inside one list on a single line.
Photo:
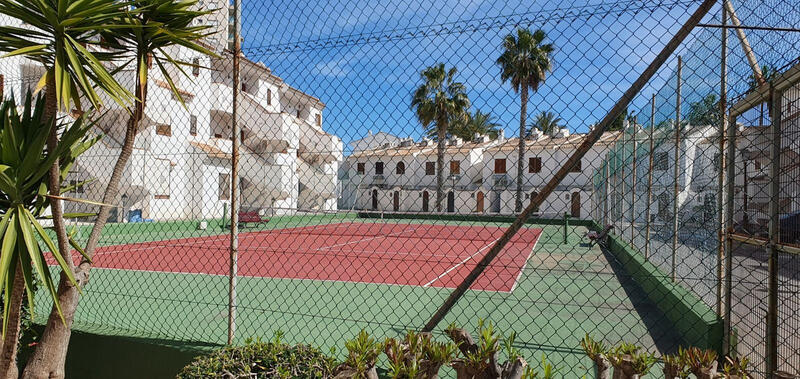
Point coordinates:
[(496, 199), (451, 202), (374, 200), (575, 203), (425, 200), (396, 201), (479, 202), (533, 196)]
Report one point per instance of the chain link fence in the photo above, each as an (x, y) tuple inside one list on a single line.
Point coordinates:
[(377, 161)]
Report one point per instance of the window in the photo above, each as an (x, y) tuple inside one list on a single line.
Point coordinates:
[(534, 165), (193, 125), (430, 168), (224, 186), (757, 165), (319, 119), (160, 174), (298, 113), (661, 161), (244, 86), (164, 130), (576, 168), (269, 97), (455, 167), (500, 166), (2, 84), (76, 187), (360, 168), (401, 168), (379, 168), (196, 66)]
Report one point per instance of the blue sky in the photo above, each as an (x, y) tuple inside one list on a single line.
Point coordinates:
[(367, 84)]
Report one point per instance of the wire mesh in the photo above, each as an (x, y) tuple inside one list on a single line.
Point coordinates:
[(356, 213)]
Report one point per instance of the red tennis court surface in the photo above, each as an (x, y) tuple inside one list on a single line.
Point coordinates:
[(406, 254)]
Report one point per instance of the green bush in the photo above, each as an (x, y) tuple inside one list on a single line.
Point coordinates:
[(258, 359)]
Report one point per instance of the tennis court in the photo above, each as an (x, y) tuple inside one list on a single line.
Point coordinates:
[(390, 253), (320, 279)]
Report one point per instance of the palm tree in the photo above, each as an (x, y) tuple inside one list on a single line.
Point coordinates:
[(478, 123), (141, 37), (546, 122), (439, 102), (525, 62), (59, 35)]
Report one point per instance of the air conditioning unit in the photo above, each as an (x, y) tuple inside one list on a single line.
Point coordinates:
[(500, 181)]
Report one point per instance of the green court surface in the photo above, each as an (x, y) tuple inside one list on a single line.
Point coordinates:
[(564, 292)]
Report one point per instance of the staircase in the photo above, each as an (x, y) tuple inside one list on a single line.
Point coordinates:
[(316, 186)]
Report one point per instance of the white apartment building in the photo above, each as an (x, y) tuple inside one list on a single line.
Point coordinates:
[(181, 164), (480, 175)]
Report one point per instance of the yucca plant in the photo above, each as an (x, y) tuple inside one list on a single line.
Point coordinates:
[(736, 368), (24, 200), (73, 40), (362, 354), (418, 356), (675, 365), (596, 351), (702, 363)]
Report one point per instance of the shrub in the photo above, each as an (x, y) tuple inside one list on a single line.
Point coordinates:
[(258, 359)]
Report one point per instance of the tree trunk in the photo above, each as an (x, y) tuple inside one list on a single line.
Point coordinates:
[(54, 188), (523, 113), (8, 359), (441, 133), (50, 355), (602, 366)]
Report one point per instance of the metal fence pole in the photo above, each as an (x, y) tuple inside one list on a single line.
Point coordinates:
[(606, 187), (650, 177), (234, 248), (677, 170), (729, 200), (621, 167), (723, 104), (774, 235), (633, 185)]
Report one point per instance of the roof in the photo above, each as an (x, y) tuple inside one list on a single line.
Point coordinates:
[(548, 142), (396, 151), (466, 147), (211, 150)]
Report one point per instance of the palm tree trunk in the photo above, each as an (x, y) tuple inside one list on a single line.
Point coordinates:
[(49, 358), (441, 133), (523, 113), (54, 188), (8, 358)]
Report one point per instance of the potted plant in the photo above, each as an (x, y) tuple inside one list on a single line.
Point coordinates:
[(362, 353), (480, 359), (736, 368), (417, 356), (702, 363), (596, 351), (675, 365)]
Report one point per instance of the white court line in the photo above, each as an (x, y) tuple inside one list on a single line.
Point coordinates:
[(519, 274), (362, 240), (459, 263)]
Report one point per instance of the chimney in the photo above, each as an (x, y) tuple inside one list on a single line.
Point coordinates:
[(481, 138), (501, 135), (369, 132), (536, 134)]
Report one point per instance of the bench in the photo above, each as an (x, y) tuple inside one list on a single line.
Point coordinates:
[(251, 217)]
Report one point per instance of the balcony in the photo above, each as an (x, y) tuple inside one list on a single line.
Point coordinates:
[(317, 146), (266, 131), (316, 180)]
